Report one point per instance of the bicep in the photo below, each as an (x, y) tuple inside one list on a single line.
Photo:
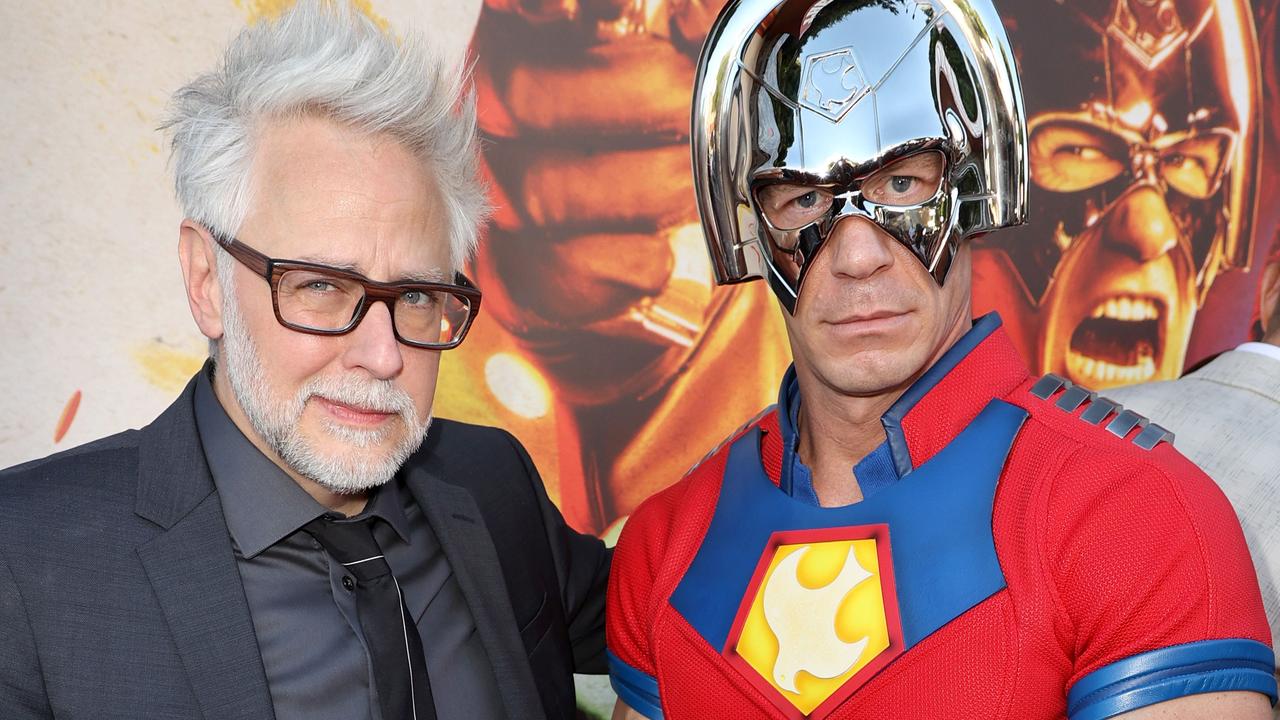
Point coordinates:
[(1209, 706), (1158, 611)]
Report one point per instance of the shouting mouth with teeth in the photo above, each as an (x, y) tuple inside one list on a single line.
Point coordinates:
[(1143, 124), (1118, 343), (1110, 319)]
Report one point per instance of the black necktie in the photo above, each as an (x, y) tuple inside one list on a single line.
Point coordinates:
[(399, 667)]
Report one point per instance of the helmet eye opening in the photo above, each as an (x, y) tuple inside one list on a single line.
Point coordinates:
[(906, 182)]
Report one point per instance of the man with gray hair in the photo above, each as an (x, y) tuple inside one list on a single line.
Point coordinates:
[(288, 540)]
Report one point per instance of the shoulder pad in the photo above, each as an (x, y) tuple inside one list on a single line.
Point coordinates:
[(732, 436), (1071, 397)]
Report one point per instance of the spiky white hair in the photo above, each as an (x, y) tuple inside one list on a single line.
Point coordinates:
[(325, 59)]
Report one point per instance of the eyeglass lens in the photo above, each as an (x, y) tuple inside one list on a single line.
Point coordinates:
[(316, 300)]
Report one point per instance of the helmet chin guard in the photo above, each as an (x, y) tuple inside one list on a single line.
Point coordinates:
[(827, 92)]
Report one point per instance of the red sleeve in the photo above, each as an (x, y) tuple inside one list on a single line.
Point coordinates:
[(1153, 579), (634, 599), (635, 563)]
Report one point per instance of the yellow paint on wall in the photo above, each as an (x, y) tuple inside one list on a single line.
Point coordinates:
[(266, 9), (166, 367)]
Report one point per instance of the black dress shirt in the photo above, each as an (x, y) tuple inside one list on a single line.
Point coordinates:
[(308, 632)]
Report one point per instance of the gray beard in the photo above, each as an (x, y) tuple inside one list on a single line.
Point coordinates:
[(345, 471)]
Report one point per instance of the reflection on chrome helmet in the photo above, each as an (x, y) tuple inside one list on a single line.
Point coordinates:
[(825, 93)]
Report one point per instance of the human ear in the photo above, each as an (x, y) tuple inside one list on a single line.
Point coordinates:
[(198, 258)]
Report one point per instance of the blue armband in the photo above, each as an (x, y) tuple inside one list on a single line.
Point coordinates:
[(635, 688), (1173, 672)]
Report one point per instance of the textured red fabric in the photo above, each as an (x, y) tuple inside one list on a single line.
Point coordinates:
[(1107, 550), (655, 548)]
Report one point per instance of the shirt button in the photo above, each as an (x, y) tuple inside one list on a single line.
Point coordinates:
[(348, 583)]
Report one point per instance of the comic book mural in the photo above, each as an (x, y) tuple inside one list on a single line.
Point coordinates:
[(603, 343), (1144, 131), (610, 354), (598, 288)]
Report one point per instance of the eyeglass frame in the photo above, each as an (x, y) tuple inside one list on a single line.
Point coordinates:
[(273, 269)]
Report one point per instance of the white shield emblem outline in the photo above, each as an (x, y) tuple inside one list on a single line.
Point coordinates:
[(832, 83)]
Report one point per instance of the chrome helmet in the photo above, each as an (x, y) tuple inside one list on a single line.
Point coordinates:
[(824, 93)]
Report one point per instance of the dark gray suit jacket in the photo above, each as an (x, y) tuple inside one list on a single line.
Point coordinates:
[(120, 597)]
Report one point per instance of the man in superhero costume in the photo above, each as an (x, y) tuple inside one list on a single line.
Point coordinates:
[(1144, 127), (919, 528)]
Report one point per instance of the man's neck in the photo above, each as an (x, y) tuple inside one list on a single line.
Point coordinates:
[(346, 504), (837, 430)]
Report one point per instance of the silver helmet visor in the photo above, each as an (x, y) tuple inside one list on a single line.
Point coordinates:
[(909, 199), (827, 93)]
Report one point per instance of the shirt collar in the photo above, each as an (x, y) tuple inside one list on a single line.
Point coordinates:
[(1261, 348), (261, 503), (982, 365), (388, 502)]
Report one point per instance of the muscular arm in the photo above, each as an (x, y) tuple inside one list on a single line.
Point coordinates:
[(1180, 631), (1211, 706)]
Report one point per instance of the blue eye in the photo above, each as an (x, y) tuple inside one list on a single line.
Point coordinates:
[(417, 298), (808, 199), (901, 183), (790, 207)]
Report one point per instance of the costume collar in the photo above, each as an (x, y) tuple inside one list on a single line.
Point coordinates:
[(981, 365), (874, 472)]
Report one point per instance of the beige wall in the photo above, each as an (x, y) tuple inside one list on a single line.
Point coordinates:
[(90, 292)]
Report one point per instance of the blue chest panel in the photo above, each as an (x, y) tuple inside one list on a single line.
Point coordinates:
[(939, 519)]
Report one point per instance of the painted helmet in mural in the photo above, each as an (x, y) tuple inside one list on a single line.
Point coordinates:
[(1166, 95), (824, 93)]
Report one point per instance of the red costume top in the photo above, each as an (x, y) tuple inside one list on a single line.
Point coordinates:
[(1038, 553)]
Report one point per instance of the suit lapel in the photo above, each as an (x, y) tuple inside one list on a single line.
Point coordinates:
[(193, 572), (194, 576), (467, 545)]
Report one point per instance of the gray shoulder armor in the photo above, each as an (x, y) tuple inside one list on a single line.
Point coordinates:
[(1099, 409)]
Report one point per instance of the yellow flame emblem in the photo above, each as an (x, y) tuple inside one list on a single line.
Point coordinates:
[(817, 618)]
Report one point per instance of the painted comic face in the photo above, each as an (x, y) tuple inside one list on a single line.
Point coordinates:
[(1141, 134)]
